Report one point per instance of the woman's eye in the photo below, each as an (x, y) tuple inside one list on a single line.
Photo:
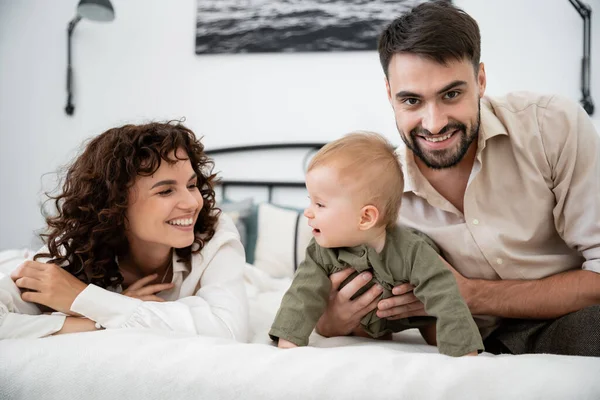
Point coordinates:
[(166, 192), (192, 186)]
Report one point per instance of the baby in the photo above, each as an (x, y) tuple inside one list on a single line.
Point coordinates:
[(355, 185)]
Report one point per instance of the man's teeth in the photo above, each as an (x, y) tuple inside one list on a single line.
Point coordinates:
[(181, 222), (435, 139)]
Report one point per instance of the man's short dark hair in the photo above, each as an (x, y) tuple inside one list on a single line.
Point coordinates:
[(436, 30)]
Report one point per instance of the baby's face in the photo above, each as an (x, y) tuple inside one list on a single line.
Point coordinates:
[(334, 212)]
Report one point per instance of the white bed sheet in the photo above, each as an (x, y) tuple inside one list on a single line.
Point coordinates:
[(142, 364)]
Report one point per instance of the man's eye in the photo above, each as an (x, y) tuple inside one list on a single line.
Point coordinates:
[(411, 101), (452, 94)]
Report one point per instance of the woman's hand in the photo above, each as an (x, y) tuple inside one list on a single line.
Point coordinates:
[(139, 290), (342, 315), (48, 285)]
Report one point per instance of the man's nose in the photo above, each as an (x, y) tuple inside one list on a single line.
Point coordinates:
[(434, 119)]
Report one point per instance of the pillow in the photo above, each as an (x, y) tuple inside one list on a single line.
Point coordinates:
[(283, 235), (244, 214)]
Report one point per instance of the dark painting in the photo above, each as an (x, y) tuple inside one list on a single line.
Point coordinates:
[(263, 26)]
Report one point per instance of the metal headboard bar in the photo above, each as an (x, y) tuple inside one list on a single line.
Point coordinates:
[(268, 146), (270, 185)]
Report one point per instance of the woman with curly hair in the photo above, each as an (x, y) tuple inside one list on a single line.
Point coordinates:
[(136, 242)]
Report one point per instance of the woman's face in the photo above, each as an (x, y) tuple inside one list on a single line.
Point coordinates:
[(163, 208)]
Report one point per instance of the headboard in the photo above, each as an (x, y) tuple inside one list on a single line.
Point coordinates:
[(310, 148)]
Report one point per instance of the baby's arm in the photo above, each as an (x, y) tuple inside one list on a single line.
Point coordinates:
[(456, 331), (303, 303)]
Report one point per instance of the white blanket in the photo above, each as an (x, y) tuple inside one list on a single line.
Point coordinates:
[(134, 364)]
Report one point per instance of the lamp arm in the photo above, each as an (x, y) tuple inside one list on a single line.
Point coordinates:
[(70, 108), (585, 11)]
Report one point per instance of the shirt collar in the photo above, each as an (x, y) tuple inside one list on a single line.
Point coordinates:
[(177, 265)]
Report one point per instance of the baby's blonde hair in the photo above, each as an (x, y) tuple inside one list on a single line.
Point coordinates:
[(367, 160)]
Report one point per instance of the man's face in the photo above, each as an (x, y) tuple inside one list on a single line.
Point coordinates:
[(436, 106)]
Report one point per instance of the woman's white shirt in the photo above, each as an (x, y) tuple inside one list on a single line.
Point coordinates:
[(207, 299)]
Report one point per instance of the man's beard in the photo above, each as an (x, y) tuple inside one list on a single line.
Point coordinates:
[(446, 158)]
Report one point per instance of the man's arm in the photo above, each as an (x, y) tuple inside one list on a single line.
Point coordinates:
[(546, 298), (572, 151)]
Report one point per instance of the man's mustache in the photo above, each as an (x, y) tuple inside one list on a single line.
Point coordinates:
[(420, 131)]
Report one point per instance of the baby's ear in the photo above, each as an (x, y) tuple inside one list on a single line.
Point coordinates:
[(369, 215)]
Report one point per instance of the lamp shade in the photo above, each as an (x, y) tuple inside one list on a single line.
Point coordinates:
[(96, 10)]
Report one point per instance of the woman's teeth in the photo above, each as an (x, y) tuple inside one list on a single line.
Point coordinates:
[(181, 222)]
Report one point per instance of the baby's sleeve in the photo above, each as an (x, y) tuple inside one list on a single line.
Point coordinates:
[(435, 286), (304, 302)]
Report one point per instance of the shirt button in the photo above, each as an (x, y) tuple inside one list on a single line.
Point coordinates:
[(475, 222), (499, 261)]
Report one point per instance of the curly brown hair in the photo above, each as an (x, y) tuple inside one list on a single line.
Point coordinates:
[(88, 230)]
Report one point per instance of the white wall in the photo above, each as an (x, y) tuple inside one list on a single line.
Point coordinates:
[(142, 66)]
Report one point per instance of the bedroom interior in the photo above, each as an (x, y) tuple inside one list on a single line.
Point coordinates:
[(261, 115)]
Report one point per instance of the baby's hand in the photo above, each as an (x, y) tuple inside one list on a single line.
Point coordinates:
[(285, 344), (473, 353)]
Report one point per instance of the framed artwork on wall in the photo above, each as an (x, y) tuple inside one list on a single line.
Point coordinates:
[(266, 26)]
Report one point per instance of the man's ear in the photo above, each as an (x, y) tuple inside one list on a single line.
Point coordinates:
[(481, 80), (388, 89), (369, 215)]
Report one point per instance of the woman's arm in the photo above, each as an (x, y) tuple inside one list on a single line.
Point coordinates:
[(19, 319), (75, 324), (218, 308), (25, 326)]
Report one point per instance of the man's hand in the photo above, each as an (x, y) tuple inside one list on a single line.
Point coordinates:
[(139, 290), (342, 315), (405, 304), (48, 285)]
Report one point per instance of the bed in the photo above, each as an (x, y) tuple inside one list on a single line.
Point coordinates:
[(134, 364)]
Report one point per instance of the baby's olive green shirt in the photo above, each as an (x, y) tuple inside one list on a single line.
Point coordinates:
[(407, 256)]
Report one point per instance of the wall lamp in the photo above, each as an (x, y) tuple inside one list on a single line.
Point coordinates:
[(94, 10)]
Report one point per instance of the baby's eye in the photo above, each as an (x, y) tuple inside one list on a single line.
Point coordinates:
[(320, 205)]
